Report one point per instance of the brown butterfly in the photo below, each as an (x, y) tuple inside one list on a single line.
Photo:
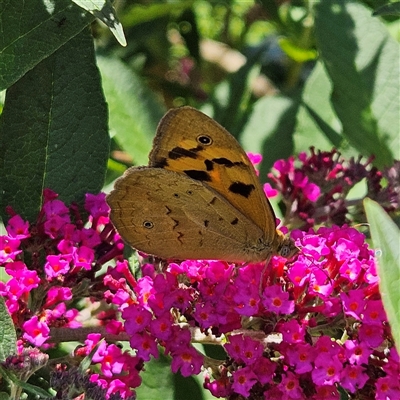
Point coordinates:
[(199, 198)]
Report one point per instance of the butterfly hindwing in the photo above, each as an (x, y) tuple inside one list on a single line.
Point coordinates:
[(167, 214)]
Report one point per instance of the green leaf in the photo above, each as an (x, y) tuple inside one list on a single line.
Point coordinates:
[(317, 123), (8, 337), (296, 53), (104, 11), (10, 377), (157, 380), (4, 396), (388, 9), (139, 13), (386, 239), (184, 385), (53, 131), (232, 98), (134, 109), (269, 130), (360, 57), (32, 30)]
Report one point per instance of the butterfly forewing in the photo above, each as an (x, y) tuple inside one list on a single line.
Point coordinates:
[(189, 142)]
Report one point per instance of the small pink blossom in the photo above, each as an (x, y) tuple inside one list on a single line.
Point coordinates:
[(55, 266), (17, 228), (290, 385), (276, 300), (292, 331), (9, 249), (36, 331), (269, 191), (144, 344), (187, 360), (83, 257), (353, 377), (243, 380), (96, 206)]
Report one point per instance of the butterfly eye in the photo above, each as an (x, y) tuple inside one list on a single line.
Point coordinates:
[(176, 195), (148, 224), (285, 251), (189, 192), (204, 139)]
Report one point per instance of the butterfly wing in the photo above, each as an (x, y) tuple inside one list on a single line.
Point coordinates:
[(191, 143), (170, 215)]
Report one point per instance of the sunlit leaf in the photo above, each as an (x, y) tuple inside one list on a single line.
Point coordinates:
[(386, 239)]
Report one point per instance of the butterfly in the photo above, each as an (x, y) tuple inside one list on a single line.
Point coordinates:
[(199, 197)]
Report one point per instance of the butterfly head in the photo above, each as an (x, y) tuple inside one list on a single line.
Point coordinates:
[(286, 247)]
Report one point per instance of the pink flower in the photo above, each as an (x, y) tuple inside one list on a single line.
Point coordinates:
[(374, 313), (351, 269), (37, 332), (218, 388), (327, 370), (112, 362), (244, 349), (187, 360), (205, 315), (161, 327), (292, 331), (243, 380), (328, 346), (301, 356), (264, 369), (290, 386), (136, 318), (17, 228), (346, 249), (320, 284), (55, 266), (16, 269), (30, 281), (96, 206), (371, 334), (144, 344), (9, 249), (58, 294), (357, 352), (353, 377), (54, 226), (269, 191), (56, 208), (353, 303), (255, 158), (276, 300), (387, 388), (83, 257), (326, 392), (311, 191), (91, 341)]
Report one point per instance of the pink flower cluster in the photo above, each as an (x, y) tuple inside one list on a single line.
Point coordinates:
[(319, 323), (51, 265), (315, 187)]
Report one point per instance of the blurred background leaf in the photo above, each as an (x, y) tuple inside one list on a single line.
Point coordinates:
[(365, 84)]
